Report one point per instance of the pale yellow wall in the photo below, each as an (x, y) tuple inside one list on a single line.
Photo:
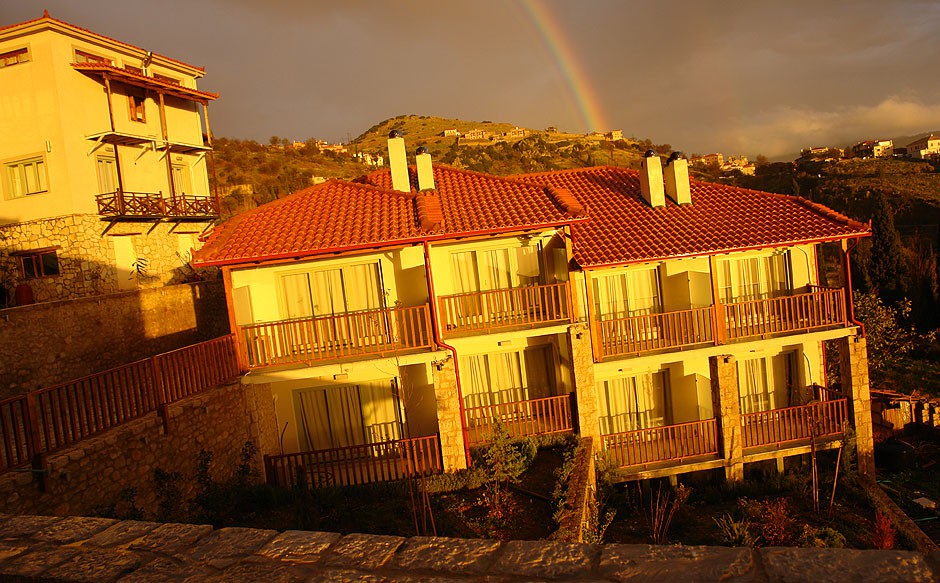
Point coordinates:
[(46, 107)]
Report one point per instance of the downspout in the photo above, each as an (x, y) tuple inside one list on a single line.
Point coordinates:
[(435, 326), (848, 287)]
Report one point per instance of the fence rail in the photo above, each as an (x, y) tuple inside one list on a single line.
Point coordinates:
[(358, 464), (505, 308), (122, 203), (819, 308), (189, 205), (804, 422), (519, 419), (660, 444), (636, 334), (46, 420), (305, 340)]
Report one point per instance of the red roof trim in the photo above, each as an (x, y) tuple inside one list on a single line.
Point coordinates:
[(46, 17), (143, 80)]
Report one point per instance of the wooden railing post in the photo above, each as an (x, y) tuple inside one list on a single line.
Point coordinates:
[(269, 474), (34, 442), (160, 389)]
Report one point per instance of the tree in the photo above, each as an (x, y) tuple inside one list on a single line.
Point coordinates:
[(761, 160), (886, 266)]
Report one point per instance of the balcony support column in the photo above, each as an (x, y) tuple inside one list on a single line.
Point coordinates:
[(262, 428), (727, 407), (853, 367), (582, 371), (449, 422)]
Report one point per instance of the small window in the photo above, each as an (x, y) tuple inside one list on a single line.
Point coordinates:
[(136, 99), (39, 264), (166, 79), (26, 177), (16, 57), (134, 69), (83, 57)]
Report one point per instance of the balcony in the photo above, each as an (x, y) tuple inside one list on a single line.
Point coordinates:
[(819, 309), (781, 427), (488, 311), (374, 333), (122, 204), (519, 419), (670, 443), (358, 464)]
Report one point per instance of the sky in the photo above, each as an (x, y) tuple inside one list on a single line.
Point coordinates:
[(733, 77)]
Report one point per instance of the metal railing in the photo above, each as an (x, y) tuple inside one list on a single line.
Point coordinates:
[(303, 340), (804, 422), (662, 444), (486, 311), (357, 464), (46, 420), (519, 419)]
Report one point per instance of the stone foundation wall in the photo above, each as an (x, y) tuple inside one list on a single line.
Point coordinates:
[(55, 342), (582, 485), (92, 474), (87, 265), (34, 548)]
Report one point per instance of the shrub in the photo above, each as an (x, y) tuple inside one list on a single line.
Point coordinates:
[(884, 534), (821, 537), (774, 520), (735, 533)]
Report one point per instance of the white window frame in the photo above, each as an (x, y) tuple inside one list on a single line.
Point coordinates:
[(17, 174)]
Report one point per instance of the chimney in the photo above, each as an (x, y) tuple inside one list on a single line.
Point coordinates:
[(651, 179), (425, 171), (398, 162), (677, 179)]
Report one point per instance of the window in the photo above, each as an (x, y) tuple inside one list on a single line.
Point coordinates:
[(331, 292), (26, 177), (347, 415), (768, 383), (107, 174), (181, 183), (84, 57), (136, 99), (166, 79), (134, 69), (493, 269), (16, 57), (634, 293), (753, 278), (39, 263), (637, 402), (508, 377)]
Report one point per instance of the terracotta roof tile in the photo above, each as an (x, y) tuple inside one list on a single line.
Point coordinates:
[(623, 228)]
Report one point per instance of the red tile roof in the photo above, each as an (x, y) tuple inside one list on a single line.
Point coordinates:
[(623, 228), (343, 216), (46, 18)]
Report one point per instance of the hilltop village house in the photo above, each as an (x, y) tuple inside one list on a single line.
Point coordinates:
[(678, 323), (103, 158)]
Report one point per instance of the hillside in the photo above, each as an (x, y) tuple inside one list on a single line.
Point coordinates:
[(250, 173)]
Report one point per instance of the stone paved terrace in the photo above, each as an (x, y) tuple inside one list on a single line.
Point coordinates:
[(45, 548)]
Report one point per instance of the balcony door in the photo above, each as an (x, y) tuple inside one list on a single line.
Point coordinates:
[(754, 278), (488, 270), (507, 377), (636, 292), (107, 174), (637, 402), (767, 383), (349, 415)]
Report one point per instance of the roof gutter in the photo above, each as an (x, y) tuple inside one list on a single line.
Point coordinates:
[(435, 326)]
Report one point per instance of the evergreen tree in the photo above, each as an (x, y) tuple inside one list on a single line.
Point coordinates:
[(886, 266)]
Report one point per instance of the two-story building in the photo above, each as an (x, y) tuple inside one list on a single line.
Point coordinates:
[(103, 158), (409, 312)]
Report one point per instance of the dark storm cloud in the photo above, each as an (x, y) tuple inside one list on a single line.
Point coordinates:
[(737, 77)]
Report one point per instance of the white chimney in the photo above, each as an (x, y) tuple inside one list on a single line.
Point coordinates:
[(677, 179), (398, 162), (425, 171), (651, 179)]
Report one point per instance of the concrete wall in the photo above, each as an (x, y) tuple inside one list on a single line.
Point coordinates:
[(54, 342), (92, 473)]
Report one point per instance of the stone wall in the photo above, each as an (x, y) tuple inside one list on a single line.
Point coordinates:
[(87, 265), (34, 548), (92, 473), (54, 342), (579, 501)]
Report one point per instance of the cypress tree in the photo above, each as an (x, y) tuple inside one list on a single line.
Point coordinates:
[(886, 266)]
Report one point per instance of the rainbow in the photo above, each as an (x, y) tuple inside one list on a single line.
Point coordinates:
[(566, 59)]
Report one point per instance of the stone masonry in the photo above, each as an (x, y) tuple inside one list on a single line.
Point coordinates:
[(86, 254), (582, 364), (92, 473), (449, 425), (102, 550), (853, 364), (55, 342), (724, 379)]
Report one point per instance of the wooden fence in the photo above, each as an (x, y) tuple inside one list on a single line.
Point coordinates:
[(357, 464), (46, 420)]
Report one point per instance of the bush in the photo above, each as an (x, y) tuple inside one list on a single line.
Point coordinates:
[(884, 535), (735, 533), (821, 537)]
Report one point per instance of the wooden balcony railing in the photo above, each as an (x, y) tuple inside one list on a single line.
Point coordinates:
[(820, 308), (358, 464), (663, 444), (304, 340), (187, 205), (485, 311), (655, 331), (804, 422), (519, 419), (121, 203)]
